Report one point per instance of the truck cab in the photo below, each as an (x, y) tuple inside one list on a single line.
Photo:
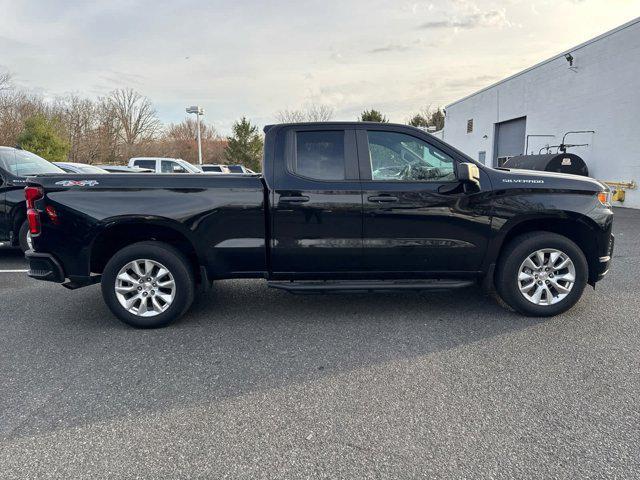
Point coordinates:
[(372, 199)]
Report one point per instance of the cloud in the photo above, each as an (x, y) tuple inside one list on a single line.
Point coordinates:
[(491, 18), (472, 82), (390, 48)]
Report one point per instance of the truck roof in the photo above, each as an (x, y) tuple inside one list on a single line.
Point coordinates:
[(336, 123)]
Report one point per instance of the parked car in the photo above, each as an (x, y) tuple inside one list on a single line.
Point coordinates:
[(340, 207), (73, 167), (210, 168), (15, 166), (164, 165), (124, 169)]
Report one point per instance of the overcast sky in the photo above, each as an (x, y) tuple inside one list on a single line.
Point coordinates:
[(254, 58)]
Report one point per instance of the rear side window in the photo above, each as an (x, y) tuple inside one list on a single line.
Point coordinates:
[(320, 155), (145, 164)]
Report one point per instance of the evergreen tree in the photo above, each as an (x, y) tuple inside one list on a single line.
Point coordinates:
[(40, 136), (245, 145), (373, 116), (419, 121), (428, 118)]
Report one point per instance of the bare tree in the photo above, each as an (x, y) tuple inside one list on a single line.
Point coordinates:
[(107, 133), (319, 113), (79, 120), (5, 81), (188, 130), (311, 113), (290, 116), (136, 117), (15, 108), (178, 140)]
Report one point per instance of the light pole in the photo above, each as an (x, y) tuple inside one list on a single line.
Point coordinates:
[(198, 111)]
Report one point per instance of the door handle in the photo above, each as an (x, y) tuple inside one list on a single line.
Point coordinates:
[(383, 199), (295, 199)]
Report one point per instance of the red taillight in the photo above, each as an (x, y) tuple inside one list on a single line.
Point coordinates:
[(32, 194), (34, 221), (33, 217)]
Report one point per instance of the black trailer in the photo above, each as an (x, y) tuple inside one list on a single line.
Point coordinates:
[(552, 162)]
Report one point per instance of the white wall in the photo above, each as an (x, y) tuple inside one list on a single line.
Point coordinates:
[(603, 94)]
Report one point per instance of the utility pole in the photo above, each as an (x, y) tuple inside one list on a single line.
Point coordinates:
[(198, 111)]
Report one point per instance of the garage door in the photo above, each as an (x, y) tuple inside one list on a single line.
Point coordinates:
[(510, 138)]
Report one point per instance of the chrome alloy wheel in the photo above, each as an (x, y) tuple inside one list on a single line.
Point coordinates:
[(546, 276), (145, 288)]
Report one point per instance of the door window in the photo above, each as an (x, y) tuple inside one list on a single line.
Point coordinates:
[(171, 167), (145, 164), (399, 157), (320, 155)]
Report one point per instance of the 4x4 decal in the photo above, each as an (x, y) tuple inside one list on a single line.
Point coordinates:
[(77, 183)]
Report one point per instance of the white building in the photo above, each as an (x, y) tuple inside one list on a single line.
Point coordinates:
[(594, 86)]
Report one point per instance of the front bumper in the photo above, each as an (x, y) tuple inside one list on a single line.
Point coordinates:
[(44, 266), (605, 261)]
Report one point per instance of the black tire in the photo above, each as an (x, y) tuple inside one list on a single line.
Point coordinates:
[(513, 256), (23, 235), (173, 260)]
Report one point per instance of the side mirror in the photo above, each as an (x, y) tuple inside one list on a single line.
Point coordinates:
[(469, 173)]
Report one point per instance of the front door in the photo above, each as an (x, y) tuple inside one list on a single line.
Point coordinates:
[(416, 216), (316, 204)]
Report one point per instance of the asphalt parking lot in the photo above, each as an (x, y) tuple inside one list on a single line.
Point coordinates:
[(257, 383)]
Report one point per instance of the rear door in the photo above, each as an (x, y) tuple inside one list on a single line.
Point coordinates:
[(316, 203), (417, 217)]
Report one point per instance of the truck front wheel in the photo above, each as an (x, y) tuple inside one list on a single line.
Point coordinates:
[(148, 284), (541, 274)]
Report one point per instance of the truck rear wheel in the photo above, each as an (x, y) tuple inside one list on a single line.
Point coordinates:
[(541, 274), (24, 237), (148, 284)]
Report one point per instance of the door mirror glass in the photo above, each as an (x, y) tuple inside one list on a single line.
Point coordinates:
[(470, 173)]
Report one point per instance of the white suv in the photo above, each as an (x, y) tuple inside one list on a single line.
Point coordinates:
[(164, 165)]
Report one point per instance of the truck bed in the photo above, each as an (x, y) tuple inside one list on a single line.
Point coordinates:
[(222, 216)]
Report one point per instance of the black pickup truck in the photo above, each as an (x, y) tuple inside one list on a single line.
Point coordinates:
[(340, 206)]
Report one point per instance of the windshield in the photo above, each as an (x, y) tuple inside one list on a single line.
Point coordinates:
[(22, 163), (188, 167)]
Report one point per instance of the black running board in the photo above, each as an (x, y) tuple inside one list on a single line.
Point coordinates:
[(337, 286)]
